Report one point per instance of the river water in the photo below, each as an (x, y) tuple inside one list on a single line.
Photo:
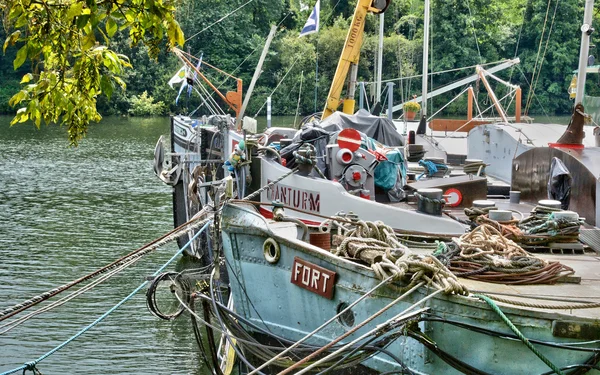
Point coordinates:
[(65, 212)]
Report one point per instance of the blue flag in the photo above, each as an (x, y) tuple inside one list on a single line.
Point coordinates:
[(312, 24), (195, 74)]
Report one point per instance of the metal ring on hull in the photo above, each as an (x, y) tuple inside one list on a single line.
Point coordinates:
[(271, 251)]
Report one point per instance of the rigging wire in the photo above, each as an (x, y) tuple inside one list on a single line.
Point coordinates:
[(512, 68), (439, 72), (532, 91), (474, 33), (535, 96), (276, 87), (219, 20), (537, 59)]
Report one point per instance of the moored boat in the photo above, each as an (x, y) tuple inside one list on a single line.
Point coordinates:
[(285, 285)]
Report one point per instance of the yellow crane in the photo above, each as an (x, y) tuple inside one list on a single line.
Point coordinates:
[(349, 59)]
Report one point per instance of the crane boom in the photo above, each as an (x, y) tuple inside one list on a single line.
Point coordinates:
[(349, 57)]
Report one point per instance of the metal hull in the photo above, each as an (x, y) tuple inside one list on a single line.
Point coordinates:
[(532, 172), (316, 196), (263, 293), (498, 144)]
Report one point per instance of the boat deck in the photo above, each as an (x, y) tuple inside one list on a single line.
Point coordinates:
[(582, 287)]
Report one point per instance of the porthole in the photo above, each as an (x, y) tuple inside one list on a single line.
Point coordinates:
[(271, 251), (347, 318)]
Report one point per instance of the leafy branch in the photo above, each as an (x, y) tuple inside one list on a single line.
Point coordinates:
[(72, 67)]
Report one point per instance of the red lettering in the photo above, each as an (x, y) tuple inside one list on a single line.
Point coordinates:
[(315, 203)]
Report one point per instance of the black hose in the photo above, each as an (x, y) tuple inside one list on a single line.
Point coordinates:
[(198, 337), (509, 336), (235, 348), (461, 366), (211, 339), (151, 295)]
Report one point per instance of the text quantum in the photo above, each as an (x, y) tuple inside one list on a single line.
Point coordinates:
[(314, 278)]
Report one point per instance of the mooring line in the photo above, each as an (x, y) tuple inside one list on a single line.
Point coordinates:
[(31, 366), (9, 312)]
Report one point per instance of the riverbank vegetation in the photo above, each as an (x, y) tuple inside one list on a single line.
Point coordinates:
[(544, 34)]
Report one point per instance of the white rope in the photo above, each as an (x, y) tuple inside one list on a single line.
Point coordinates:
[(367, 334), (311, 334), (17, 322)]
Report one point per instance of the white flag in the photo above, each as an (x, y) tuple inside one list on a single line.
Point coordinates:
[(312, 24), (178, 77)]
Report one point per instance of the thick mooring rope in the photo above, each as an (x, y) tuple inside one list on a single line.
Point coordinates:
[(390, 258), (31, 366), (125, 260)]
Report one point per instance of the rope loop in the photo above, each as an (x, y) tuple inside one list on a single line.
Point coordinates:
[(31, 366)]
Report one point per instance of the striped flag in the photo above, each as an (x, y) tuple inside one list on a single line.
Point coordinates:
[(312, 24)]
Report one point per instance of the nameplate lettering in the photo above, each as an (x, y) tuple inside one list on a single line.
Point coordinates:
[(314, 278), (302, 199)]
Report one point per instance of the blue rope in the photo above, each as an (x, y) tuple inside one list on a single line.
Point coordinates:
[(30, 366)]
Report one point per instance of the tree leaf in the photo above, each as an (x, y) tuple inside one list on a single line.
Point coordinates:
[(74, 10), (82, 21), (20, 117), (21, 57), (17, 98), (111, 27), (12, 39), (106, 86), (26, 78)]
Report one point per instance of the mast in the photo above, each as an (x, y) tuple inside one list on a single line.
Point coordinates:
[(586, 31), (425, 59), (379, 59), (574, 134)]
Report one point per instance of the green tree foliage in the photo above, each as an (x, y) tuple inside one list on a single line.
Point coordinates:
[(144, 105), (67, 41), (77, 46)]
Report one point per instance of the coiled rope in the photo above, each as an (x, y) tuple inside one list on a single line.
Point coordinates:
[(485, 254), (390, 258)]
